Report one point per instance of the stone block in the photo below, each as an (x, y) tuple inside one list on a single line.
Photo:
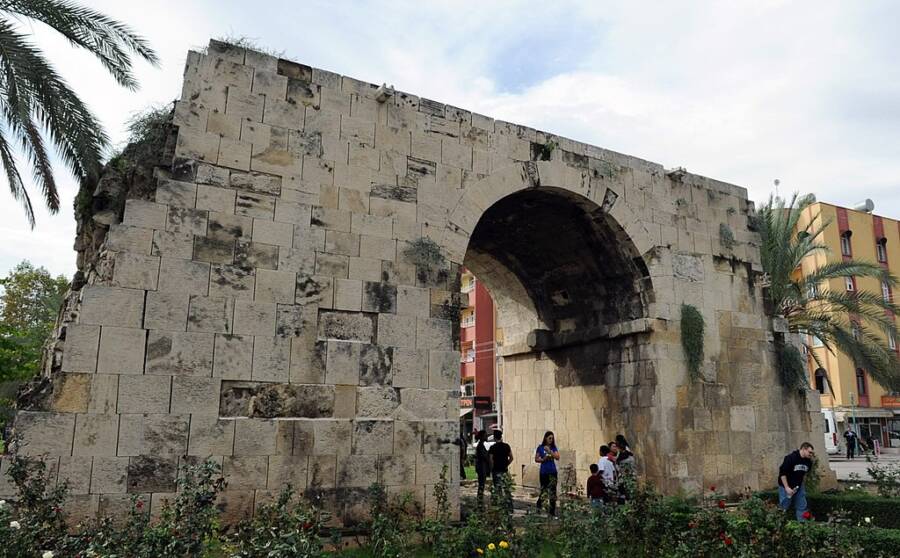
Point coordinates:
[(170, 244), (259, 206), (75, 472), (104, 394), (178, 353), (109, 475), (231, 281), (111, 306), (347, 295), (375, 364), (144, 394), (195, 395), (122, 238), (95, 434), (254, 318), (378, 248), (369, 437), (211, 435), (233, 357), (343, 363), (433, 333), (151, 474), (184, 277), (307, 361), (357, 472), (211, 314), (213, 251), (410, 368), (215, 199), (144, 214), (187, 220), (273, 232), (379, 297), (443, 369), (121, 350), (322, 471), (251, 255), (224, 226), (397, 331), (287, 470), (275, 286), (49, 434), (271, 359), (377, 402), (255, 437), (81, 348), (245, 472), (167, 311), (347, 326), (156, 434)]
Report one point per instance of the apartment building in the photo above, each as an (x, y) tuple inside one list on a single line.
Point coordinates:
[(859, 234)]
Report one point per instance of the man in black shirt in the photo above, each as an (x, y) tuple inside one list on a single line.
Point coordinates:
[(790, 479), (501, 456)]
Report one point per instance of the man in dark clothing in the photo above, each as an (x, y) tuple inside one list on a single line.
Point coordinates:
[(595, 489), (850, 439), (790, 479), (501, 456), (482, 463)]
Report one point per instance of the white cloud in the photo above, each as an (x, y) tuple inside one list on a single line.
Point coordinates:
[(740, 91)]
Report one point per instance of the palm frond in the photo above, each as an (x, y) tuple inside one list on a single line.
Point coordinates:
[(107, 39)]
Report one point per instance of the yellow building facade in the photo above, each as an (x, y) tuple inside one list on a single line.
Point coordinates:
[(854, 395)]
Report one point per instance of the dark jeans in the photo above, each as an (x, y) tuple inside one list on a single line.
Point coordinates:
[(548, 489)]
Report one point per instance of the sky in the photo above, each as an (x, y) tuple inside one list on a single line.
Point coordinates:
[(741, 91)]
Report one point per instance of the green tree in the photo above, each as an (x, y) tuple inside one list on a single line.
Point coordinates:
[(854, 323), (36, 104), (29, 304)]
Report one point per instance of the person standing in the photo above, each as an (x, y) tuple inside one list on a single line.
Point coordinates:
[(482, 463), (850, 438), (547, 455), (607, 468), (790, 479), (595, 490), (501, 456)]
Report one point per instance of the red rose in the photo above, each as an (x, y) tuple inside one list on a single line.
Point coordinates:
[(721, 504), (807, 515), (727, 541)]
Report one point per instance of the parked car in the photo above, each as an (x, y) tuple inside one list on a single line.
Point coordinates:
[(832, 445)]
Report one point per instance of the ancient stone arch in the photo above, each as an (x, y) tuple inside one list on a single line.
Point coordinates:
[(284, 300)]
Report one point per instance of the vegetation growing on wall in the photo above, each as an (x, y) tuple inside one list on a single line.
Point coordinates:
[(424, 252), (692, 327)]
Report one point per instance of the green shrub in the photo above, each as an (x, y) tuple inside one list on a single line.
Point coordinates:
[(856, 507)]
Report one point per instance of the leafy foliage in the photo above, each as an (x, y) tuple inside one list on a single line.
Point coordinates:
[(851, 322), (692, 327), (29, 305), (36, 103)]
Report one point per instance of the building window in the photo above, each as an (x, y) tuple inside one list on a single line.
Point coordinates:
[(849, 283), (821, 381), (468, 320), (861, 382), (881, 250), (886, 291), (845, 243)]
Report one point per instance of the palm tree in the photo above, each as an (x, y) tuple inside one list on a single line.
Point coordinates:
[(854, 323), (37, 105)]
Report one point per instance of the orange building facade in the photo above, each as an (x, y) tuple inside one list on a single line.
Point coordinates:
[(854, 396), (479, 383)]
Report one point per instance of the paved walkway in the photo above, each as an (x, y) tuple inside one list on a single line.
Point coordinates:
[(843, 467)]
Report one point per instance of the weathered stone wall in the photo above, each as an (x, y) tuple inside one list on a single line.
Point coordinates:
[(287, 303)]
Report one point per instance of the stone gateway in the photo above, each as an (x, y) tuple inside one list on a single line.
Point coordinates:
[(284, 299)]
